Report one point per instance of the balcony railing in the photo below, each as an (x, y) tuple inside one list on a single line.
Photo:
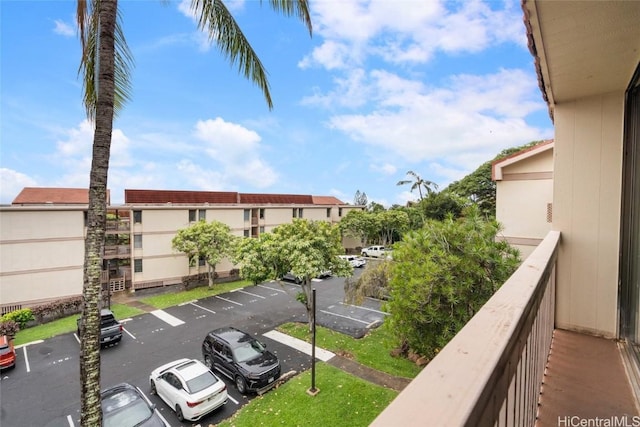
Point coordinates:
[(113, 251), (490, 373), (118, 225)]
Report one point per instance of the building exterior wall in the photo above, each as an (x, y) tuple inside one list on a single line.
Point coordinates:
[(524, 200), (586, 204), (42, 247), (41, 254)]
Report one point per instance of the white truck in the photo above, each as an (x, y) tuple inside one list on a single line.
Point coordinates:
[(373, 251)]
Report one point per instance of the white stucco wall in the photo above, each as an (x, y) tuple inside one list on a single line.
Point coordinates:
[(587, 188)]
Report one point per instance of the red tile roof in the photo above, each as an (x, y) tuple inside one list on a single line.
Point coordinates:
[(327, 200), (51, 195), (186, 197), (280, 199)]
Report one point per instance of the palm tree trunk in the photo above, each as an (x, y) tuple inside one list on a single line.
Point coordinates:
[(91, 411)]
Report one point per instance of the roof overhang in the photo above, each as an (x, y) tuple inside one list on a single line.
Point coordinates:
[(497, 166), (582, 48)]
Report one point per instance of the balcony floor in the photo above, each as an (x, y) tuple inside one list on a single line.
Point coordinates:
[(585, 378)]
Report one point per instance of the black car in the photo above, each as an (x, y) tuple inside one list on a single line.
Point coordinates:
[(124, 405), (242, 358)]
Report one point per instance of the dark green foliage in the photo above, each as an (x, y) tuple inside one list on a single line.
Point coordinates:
[(21, 317), (478, 186), (442, 274), (373, 282), (440, 205)]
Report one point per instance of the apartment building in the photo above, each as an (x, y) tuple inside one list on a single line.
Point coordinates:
[(42, 236), (524, 196)]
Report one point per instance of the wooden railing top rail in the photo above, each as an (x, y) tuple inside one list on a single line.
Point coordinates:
[(453, 389)]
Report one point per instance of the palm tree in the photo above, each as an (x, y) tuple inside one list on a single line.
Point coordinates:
[(105, 66), (417, 183)]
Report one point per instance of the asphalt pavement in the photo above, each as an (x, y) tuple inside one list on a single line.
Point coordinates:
[(43, 389)]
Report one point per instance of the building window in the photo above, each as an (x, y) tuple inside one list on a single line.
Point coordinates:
[(201, 261), (137, 265), (262, 213), (192, 215), (246, 233), (137, 217), (202, 215), (262, 229), (247, 214), (295, 212), (137, 241), (339, 211), (300, 213), (328, 212)]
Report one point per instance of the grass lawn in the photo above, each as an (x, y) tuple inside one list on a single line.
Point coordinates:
[(343, 400), (66, 325), (371, 350), (171, 299)]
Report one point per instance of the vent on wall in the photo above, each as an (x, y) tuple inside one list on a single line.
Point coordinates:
[(549, 212)]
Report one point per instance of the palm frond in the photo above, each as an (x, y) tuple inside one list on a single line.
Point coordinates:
[(300, 8)]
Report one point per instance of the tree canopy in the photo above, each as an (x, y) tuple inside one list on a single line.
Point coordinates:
[(304, 248), (442, 274), (209, 240)]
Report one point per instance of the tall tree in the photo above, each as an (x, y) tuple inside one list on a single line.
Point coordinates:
[(360, 199), (209, 240), (107, 91), (417, 183), (304, 248)]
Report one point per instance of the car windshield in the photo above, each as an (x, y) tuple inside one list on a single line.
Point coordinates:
[(201, 382), (5, 350), (126, 408), (248, 351)]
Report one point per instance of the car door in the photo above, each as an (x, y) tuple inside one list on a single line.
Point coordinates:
[(219, 359), (168, 386)]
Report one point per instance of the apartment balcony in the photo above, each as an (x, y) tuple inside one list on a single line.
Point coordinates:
[(118, 226), (509, 366), (116, 251)]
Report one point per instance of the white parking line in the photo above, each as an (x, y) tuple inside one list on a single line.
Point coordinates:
[(129, 333), (228, 300), (366, 308), (166, 317), (202, 308), (76, 337), (346, 317), (26, 359), (249, 293), (70, 421), (273, 289), (299, 345), (232, 399)]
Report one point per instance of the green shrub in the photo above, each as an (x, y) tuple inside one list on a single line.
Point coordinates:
[(21, 317)]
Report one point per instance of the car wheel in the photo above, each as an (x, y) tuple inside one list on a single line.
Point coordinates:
[(365, 254), (152, 389), (241, 385), (179, 413), (208, 362)]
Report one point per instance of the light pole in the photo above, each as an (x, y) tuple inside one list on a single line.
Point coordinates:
[(313, 390)]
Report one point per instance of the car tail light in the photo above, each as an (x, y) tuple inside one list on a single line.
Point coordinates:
[(192, 404), (121, 328)]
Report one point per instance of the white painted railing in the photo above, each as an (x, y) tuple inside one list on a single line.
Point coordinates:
[(490, 373)]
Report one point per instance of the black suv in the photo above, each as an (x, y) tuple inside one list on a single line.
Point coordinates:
[(242, 358)]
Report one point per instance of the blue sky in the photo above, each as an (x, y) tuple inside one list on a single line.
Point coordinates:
[(382, 87)]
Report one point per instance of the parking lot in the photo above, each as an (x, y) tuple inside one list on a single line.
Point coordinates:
[(43, 389)]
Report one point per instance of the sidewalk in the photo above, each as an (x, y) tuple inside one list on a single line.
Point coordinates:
[(352, 367)]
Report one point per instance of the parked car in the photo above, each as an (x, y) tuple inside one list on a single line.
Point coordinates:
[(373, 251), (7, 353), (242, 358), (189, 388), (123, 405), (355, 261), (110, 328), (290, 277)]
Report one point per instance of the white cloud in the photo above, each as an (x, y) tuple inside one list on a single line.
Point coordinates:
[(12, 182), (236, 149), (384, 168), (64, 29)]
